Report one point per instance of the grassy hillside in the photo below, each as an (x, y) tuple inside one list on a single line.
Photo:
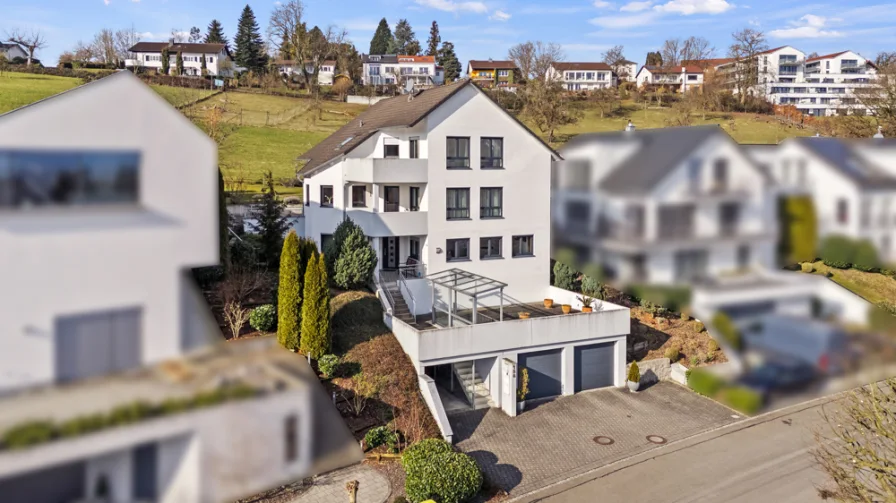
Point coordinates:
[(20, 89), (178, 96)]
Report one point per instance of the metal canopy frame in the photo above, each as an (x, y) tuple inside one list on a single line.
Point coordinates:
[(472, 285)]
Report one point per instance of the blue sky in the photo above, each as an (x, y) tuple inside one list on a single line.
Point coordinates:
[(487, 28)]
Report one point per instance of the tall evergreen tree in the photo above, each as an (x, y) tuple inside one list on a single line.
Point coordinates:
[(315, 339), (432, 45), (215, 35), (356, 261), (405, 40), (289, 294), (654, 59), (179, 63), (249, 44), (382, 38), (448, 60), (270, 224), (166, 61)]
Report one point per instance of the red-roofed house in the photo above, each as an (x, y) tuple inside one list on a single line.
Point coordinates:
[(392, 69)]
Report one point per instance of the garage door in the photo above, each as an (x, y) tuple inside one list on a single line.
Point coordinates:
[(594, 366), (58, 484), (545, 371), (95, 344)]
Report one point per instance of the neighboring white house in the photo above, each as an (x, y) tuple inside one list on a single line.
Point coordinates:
[(386, 69), (679, 78), (12, 50), (667, 206), (325, 73), (100, 227), (454, 195), (625, 71), (852, 184), (149, 55), (583, 76)]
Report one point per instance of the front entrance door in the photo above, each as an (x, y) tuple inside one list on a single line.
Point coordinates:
[(390, 253)]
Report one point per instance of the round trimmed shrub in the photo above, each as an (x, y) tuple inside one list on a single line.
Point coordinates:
[(263, 318), (865, 258), (415, 455), (672, 354), (436, 471), (634, 373), (381, 435), (713, 345), (328, 365)]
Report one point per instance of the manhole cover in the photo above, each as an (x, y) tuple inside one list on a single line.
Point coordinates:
[(656, 439), (603, 440)]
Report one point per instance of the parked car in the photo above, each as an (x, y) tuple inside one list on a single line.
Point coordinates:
[(779, 375), (824, 346)]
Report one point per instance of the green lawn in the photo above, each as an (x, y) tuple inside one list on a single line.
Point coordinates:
[(20, 89), (178, 96), (873, 287)]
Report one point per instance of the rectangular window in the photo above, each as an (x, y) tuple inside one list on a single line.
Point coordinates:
[(676, 221), (743, 257), (325, 239), (359, 196), (720, 175), (491, 202), (490, 248), (291, 438), (307, 192), (326, 195), (523, 246), (729, 218), (75, 178), (390, 151), (842, 211), (457, 249), (415, 148), (457, 203), (491, 153), (415, 198), (458, 150), (390, 198)]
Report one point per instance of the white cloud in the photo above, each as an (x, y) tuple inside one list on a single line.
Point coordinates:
[(636, 6), (585, 47), (628, 21), (539, 9), (688, 7), (602, 4), (452, 6), (106, 2), (499, 15), (808, 26), (360, 24)]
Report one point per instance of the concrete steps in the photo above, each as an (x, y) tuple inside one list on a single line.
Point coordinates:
[(400, 310), (473, 385)]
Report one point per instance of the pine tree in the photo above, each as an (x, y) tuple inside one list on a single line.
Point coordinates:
[(432, 45), (271, 223), (289, 294), (215, 35), (315, 339), (405, 39), (166, 62), (179, 63), (334, 247), (356, 261), (382, 38), (249, 44), (448, 60)]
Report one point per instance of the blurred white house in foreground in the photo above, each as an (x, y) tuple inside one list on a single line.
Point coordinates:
[(108, 196)]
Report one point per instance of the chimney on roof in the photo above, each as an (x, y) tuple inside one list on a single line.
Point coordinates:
[(880, 132)]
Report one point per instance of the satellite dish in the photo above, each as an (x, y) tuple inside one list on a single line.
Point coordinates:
[(408, 86)]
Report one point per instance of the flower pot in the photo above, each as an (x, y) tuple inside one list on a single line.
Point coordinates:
[(521, 406), (566, 308), (587, 309), (524, 315), (633, 386), (548, 303)]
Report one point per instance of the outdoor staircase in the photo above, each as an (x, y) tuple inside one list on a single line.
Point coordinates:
[(400, 310), (473, 385)]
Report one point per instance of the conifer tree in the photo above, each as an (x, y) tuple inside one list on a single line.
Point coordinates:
[(249, 44), (179, 63), (432, 45), (448, 60), (215, 35), (315, 337), (166, 62), (271, 223), (382, 39), (289, 294)]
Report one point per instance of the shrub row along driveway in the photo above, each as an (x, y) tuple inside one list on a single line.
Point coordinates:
[(554, 441)]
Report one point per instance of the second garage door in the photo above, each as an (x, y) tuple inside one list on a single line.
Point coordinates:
[(545, 371), (594, 366)]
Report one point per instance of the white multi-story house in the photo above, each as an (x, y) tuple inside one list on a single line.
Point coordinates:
[(12, 50), (667, 206), (149, 55), (625, 71), (100, 227), (325, 73), (679, 78), (583, 76), (454, 195), (819, 86), (387, 69)]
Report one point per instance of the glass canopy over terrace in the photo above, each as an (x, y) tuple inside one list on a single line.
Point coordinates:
[(458, 296)]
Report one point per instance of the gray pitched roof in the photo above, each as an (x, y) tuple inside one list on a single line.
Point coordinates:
[(659, 152), (844, 156), (400, 111)]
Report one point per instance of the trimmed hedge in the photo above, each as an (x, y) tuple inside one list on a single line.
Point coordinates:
[(741, 399), (841, 252), (704, 383), (798, 229), (436, 471), (263, 318)]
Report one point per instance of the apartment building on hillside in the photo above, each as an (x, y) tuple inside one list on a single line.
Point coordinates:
[(583, 76), (494, 74), (454, 195), (674, 78), (392, 69), (108, 337), (214, 57), (819, 86)]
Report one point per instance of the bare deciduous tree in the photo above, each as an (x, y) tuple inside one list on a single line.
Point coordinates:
[(605, 100), (195, 35), (879, 97), (549, 106), (32, 41), (745, 48), (124, 40), (241, 281), (857, 451), (236, 317), (286, 29), (178, 37), (534, 59), (671, 52), (104, 48), (83, 52), (676, 51), (614, 55)]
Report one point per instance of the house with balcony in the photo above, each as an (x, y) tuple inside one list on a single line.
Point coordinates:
[(454, 195), (109, 347), (392, 69), (494, 74), (583, 76), (670, 206), (215, 58), (675, 78), (325, 72)]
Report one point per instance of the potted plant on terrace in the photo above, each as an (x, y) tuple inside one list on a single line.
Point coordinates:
[(523, 390), (634, 377), (566, 308), (548, 303), (587, 302)]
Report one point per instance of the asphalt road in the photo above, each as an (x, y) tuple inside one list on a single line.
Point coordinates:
[(763, 459)]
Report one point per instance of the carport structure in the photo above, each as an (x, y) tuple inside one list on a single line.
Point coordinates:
[(471, 285)]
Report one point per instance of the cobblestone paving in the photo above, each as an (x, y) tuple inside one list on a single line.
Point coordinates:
[(554, 441), (372, 486)]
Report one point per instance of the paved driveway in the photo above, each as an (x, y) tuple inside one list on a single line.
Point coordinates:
[(554, 441)]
